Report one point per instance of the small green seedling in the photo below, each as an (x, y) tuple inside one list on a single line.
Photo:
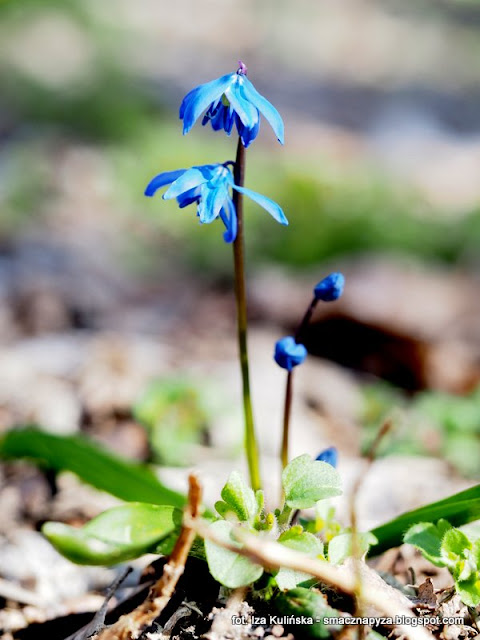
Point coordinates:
[(446, 546)]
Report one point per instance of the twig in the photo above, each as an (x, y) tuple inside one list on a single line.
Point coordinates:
[(370, 457), (131, 625), (273, 555), (98, 621)]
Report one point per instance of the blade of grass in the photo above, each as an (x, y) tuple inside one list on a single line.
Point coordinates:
[(458, 509), (92, 463)]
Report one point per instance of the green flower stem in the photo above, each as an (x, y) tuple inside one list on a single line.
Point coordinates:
[(241, 299), (286, 419), (287, 410)]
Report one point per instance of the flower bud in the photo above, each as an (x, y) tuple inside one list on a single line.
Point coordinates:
[(288, 353), (330, 288), (329, 455)]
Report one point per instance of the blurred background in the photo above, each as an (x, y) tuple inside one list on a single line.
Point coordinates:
[(117, 313)]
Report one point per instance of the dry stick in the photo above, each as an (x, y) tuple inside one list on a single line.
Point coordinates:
[(370, 456), (273, 555), (131, 625)]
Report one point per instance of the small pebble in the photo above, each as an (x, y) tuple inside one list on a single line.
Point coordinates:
[(277, 630)]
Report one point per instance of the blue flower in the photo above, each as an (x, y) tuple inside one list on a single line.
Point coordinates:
[(329, 455), (330, 288), (231, 99), (288, 353), (209, 186)]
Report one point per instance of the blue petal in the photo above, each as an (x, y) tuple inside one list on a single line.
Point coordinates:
[(263, 105), (218, 119), (247, 135), (269, 205), (201, 97), (188, 197), (161, 180), (212, 111), (212, 202), (189, 180), (229, 119), (247, 113), (230, 221)]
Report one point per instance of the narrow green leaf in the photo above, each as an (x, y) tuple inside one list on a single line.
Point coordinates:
[(306, 481), (91, 462), (458, 509), (229, 568), (118, 534)]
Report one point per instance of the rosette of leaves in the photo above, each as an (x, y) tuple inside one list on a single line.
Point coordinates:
[(305, 482)]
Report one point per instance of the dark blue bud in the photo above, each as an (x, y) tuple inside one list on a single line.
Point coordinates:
[(288, 353), (330, 288), (329, 455)]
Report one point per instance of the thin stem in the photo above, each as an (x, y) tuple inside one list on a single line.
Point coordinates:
[(286, 419), (306, 319), (287, 410), (241, 299)]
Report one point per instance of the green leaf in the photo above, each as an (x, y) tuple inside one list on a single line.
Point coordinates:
[(428, 537), (227, 567), (239, 497), (454, 547), (458, 509), (469, 590), (340, 547), (173, 415), (92, 463), (456, 553), (118, 534), (312, 604), (306, 481), (299, 540)]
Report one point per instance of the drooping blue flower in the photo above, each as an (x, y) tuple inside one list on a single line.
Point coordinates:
[(288, 353), (209, 187), (330, 288), (231, 99), (329, 455)]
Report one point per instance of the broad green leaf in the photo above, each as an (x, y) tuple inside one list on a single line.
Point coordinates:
[(428, 537), (299, 540), (458, 509), (340, 547), (311, 604), (469, 590), (229, 568), (91, 462), (455, 546), (306, 481), (119, 534), (240, 498), (456, 553)]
